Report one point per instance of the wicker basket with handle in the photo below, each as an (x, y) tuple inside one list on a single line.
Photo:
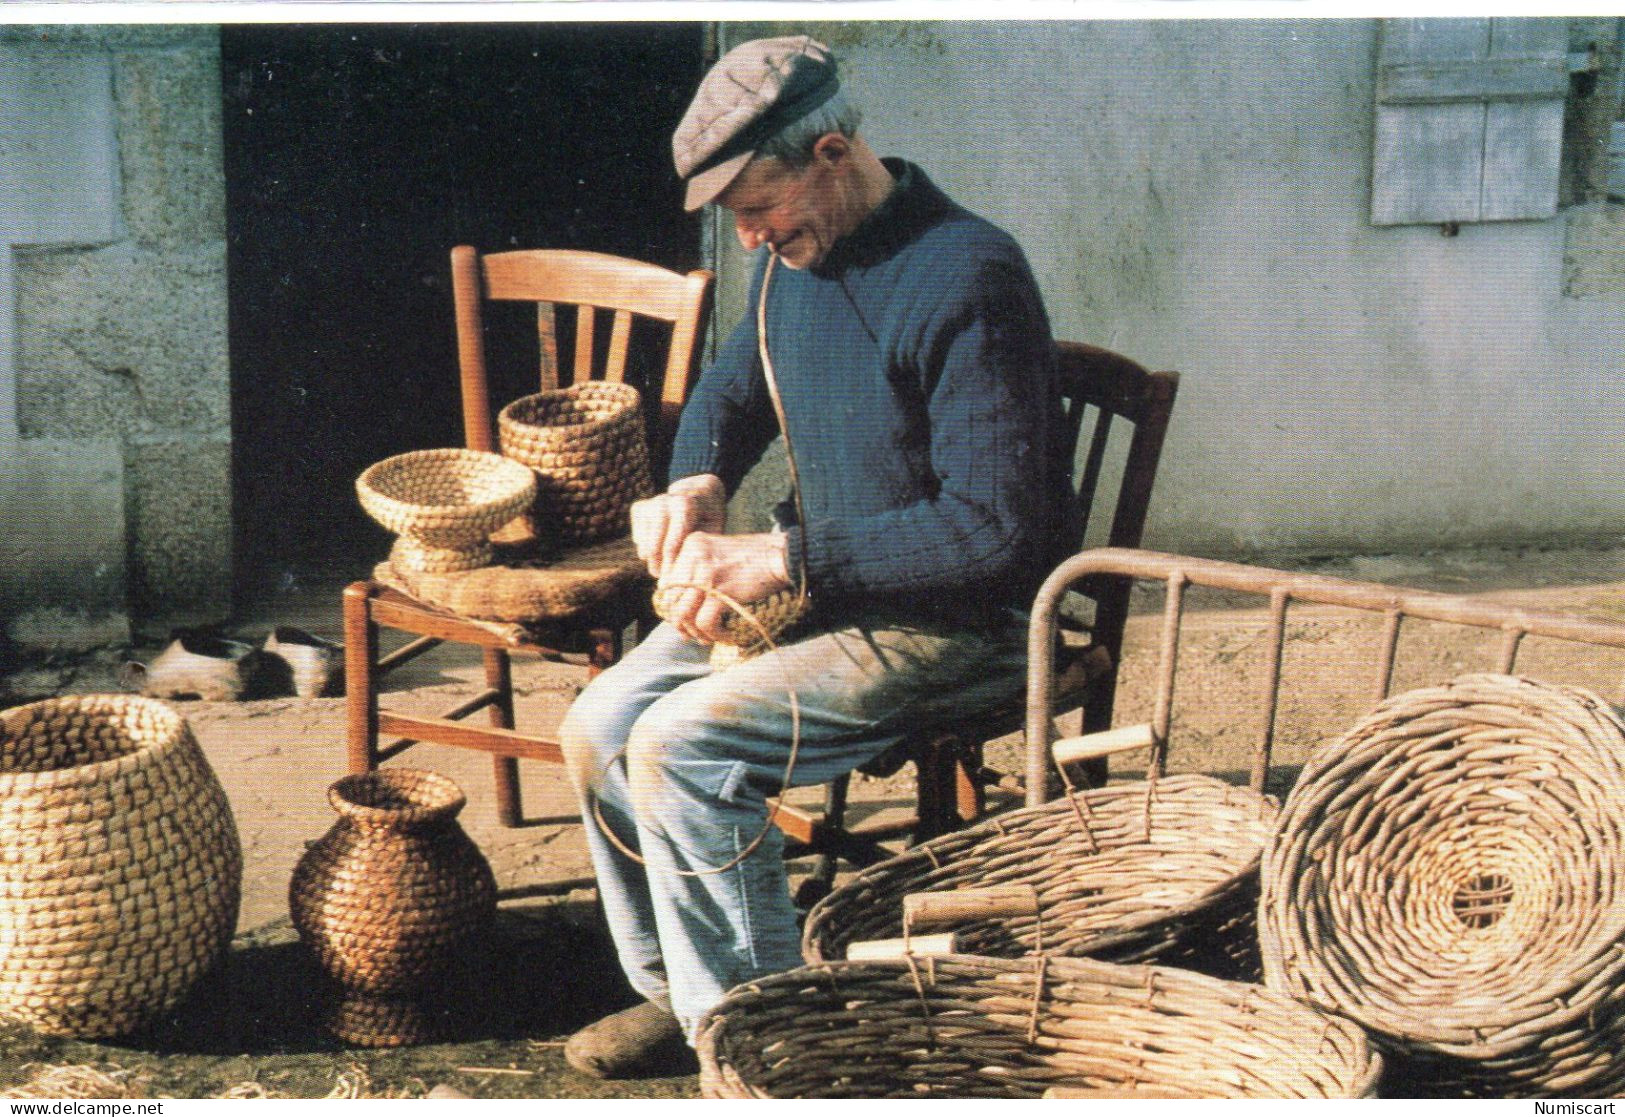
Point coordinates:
[(1163, 871), (967, 1026), (1451, 874), (120, 866)]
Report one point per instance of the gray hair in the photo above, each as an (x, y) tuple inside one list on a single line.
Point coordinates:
[(794, 144)]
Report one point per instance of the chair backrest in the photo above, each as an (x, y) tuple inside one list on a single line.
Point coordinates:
[(1114, 388), (596, 286)]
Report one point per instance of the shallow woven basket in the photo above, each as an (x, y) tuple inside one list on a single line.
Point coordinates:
[(388, 899), (963, 1026), (120, 867), (1451, 874), (1183, 893), (587, 445), (444, 504)]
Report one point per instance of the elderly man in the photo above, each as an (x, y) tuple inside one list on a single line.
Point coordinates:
[(914, 364)]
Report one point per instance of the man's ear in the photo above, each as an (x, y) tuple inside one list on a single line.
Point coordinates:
[(832, 148)]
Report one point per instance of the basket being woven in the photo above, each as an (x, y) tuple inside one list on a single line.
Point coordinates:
[(1182, 890), (444, 504), (1451, 874), (965, 1026), (587, 446), (120, 867), (776, 619)]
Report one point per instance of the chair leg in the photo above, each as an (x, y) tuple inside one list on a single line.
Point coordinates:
[(360, 678), (822, 879), (936, 770), (504, 769), (970, 796), (607, 646)]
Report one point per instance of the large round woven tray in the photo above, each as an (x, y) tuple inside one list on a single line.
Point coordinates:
[(964, 1026), (1451, 874), (120, 868), (587, 445), (444, 504), (1182, 892)]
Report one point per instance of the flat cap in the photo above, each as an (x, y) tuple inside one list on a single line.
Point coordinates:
[(753, 92)]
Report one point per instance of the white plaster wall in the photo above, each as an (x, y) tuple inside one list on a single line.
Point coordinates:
[(1194, 194)]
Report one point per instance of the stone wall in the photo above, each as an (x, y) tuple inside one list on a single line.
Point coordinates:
[(116, 368)]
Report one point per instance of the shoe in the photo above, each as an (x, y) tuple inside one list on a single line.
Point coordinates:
[(639, 1042), (314, 664), (207, 667)]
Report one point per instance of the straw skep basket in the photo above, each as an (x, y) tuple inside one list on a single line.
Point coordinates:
[(966, 1026), (120, 868), (587, 445), (444, 504), (1451, 874), (1163, 870)]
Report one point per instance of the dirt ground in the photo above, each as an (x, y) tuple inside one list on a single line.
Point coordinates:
[(254, 1028)]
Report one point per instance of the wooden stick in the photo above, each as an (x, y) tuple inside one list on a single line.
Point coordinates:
[(918, 946), (1126, 738), (939, 909)]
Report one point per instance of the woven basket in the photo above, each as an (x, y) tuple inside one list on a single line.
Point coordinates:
[(388, 899), (1183, 893), (964, 1026), (120, 868), (774, 620), (1451, 874), (444, 504), (586, 443)]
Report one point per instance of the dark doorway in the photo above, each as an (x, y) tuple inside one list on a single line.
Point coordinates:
[(356, 158)]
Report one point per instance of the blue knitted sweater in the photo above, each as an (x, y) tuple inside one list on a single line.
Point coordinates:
[(917, 373)]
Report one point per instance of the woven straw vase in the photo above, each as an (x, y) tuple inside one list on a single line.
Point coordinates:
[(120, 868), (444, 504), (964, 1026), (1451, 875), (388, 899), (586, 443), (1182, 892)]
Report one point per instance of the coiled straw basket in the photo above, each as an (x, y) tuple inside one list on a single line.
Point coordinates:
[(120, 868), (1163, 870), (444, 504), (1451, 875), (389, 899), (587, 445), (964, 1026)]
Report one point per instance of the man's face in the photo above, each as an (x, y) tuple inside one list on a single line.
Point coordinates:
[(800, 212)]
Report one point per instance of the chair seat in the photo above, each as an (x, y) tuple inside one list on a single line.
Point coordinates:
[(529, 597)]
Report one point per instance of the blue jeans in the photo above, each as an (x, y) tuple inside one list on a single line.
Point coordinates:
[(680, 759)]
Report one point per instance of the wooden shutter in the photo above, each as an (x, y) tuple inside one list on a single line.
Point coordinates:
[(1469, 121)]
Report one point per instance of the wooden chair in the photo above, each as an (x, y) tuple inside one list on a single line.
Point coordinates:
[(626, 292), (952, 781)]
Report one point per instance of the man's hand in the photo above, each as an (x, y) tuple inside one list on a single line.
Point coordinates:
[(747, 568), (661, 523)]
